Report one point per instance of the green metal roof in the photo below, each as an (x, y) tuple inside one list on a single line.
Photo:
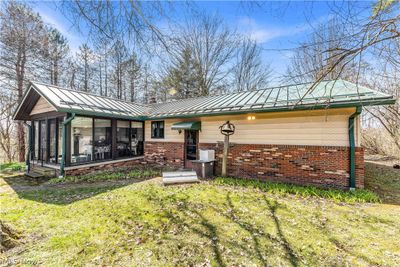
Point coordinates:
[(337, 93), (187, 125), (64, 100), (326, 94)]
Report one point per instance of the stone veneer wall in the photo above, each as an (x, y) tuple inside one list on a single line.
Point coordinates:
[(82, 170), (326, 166), (164, 153)]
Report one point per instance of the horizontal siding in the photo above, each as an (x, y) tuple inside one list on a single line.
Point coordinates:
[(317, 127), (42, 106)]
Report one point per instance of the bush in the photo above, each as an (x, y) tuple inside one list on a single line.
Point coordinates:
[(378, 141), (359, 195), (13, 166), (116, 174)]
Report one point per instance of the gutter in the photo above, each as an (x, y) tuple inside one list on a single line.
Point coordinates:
[(30, 146), (64, 145), (352, 144)]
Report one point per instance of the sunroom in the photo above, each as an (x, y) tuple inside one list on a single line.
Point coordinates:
[(69, 129)]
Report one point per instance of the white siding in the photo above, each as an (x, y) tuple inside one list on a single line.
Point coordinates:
[(317, 127), (42, 106)]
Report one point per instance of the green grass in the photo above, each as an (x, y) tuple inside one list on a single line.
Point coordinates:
[(211, 223), (116, 174), (303, 191), (12, 166)]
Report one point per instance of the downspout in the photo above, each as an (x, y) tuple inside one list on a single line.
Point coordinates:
[(64, 145), (352, 144), (28, 154)]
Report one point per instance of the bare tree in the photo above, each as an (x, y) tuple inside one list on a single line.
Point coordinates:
[(119, 56), (56, 54), (316, 57), (212, 46), (249, 71), (22, 34), (85, 58)]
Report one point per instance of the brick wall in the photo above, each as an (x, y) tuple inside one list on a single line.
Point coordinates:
[(164, 153), (104, 167), (309, 165)]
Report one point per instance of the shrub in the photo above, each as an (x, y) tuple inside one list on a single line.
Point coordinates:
[(12, 166), (359, 195)]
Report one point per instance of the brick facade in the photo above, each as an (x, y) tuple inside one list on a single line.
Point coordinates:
[(323, 166), (82, 170), (164, 153)]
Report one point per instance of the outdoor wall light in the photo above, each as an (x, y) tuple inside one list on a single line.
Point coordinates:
[(250, 118)]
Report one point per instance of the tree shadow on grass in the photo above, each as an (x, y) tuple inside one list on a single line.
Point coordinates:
[(187, 214), (256, 233), (63, 194)]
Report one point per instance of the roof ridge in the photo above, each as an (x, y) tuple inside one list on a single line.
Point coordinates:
[(233, 93), (92, 94)]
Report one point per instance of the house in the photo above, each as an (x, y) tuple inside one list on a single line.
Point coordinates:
[(285, 133)]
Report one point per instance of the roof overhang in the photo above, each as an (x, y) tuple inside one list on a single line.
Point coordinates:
[(29, 99), (187, 125)]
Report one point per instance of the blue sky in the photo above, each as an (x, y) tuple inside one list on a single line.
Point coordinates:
[(276, 26)]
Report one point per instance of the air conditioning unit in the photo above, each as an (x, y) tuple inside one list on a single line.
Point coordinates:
[(207, 155)]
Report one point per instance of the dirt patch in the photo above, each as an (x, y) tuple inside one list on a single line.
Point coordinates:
[(9, 237)]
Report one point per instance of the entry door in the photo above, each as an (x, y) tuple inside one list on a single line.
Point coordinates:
[(191, 146)]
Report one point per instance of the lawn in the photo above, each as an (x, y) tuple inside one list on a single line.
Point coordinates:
[(143, 223)]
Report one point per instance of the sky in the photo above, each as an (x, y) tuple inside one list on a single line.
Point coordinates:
[(278, 27)]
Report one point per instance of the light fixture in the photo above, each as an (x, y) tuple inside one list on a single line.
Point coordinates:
[(251, 117)]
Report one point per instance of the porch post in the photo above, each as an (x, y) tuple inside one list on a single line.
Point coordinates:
[(64, 143)]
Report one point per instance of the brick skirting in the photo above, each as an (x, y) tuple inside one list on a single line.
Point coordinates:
[(326, 166), (164, 153), (82, 170)]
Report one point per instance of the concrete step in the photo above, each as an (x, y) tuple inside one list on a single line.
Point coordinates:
[(34, 174), (180, 177), (43, 171)]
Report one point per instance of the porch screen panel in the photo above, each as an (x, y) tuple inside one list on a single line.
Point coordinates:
[(123, 145), (52, 141), (137, 137), (81, 140), (36, 143), (102, 139), (59, 142), (43, 140)]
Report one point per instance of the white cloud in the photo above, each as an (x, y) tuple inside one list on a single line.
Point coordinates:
[(49, 18), (263, 34)]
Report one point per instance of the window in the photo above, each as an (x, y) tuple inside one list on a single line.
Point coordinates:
[(123, 145), (136, 138), (102, 139), (157, 129), (81, 140)]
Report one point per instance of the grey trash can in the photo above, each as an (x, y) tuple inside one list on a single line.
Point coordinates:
[(204, 169)]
